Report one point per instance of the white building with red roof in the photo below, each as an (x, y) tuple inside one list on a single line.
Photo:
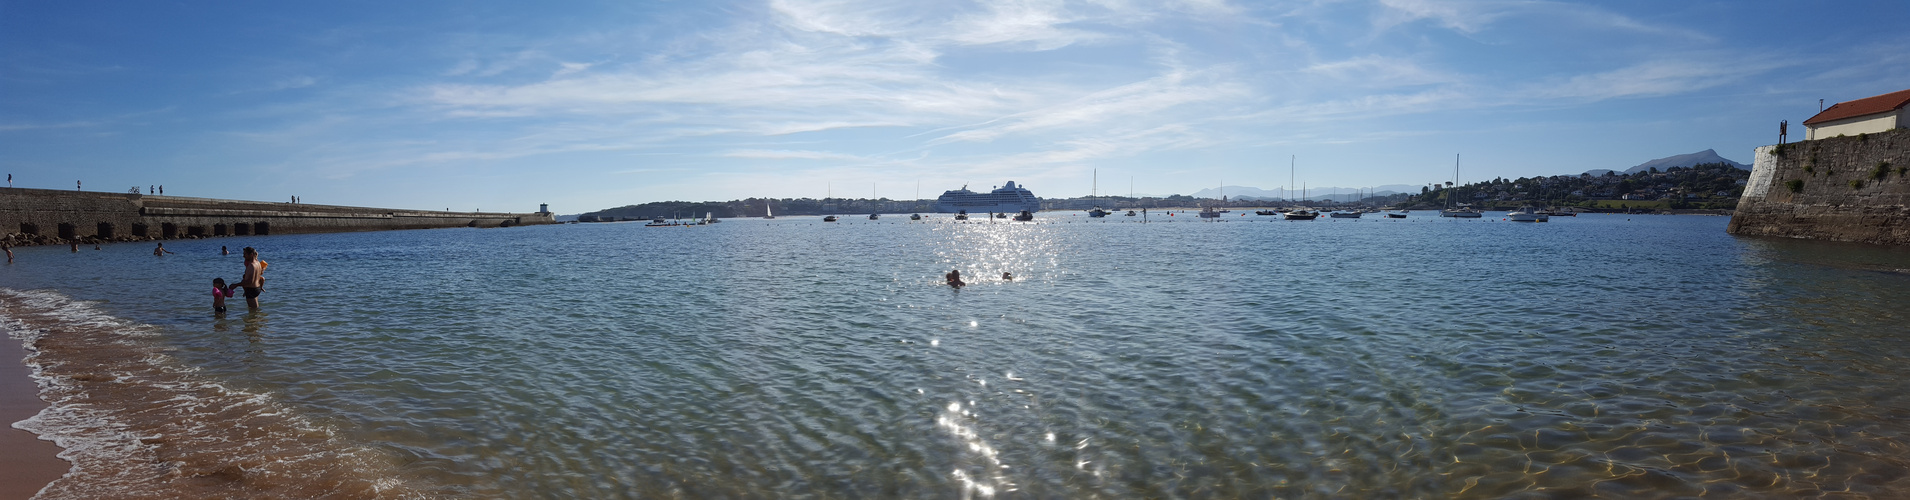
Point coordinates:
[(1863, 116)]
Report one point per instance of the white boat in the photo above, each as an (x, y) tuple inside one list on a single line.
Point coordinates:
[(1463, 213), (1301, 214), (1527, 214), (1209, 213), (767, 212), (1097, 212), (1006, 199)]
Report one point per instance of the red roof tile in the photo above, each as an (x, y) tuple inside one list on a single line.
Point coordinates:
[(1866, 106)]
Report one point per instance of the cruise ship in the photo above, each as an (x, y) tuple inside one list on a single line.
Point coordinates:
[(1007, 199)]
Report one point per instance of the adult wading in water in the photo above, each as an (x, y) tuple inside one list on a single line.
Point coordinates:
[(254, 279)]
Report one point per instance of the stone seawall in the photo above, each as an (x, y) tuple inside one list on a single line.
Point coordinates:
[(1842, 189), (42, 216)]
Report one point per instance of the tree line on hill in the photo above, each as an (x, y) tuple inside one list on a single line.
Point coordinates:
[(1701, 186)]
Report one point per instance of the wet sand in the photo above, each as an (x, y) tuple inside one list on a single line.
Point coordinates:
[(29, 463)]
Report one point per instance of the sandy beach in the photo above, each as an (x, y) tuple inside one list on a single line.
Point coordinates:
[(29, 463)]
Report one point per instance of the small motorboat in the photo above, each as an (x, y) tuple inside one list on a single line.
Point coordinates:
[(874, 216), (1004, 216), (1301, 214), (1396, 215), (1527, 214), (961, 215), (1345, 214), (1024, 216), (915, 216), (1130, 213), (1209, 213), (829, 218), (1097, 212), (1265, 212)]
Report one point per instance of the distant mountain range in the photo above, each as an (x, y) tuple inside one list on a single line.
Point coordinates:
[(1684, 160)]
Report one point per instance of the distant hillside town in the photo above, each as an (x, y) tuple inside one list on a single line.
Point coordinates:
[(1701, 180)]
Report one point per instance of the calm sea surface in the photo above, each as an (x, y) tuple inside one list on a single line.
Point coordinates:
[(1604, 355)]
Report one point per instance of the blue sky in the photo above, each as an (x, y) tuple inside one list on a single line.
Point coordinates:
[(502, 106)]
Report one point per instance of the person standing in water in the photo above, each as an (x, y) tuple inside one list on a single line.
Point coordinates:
[(954, 277), (223, 251), (161, 251), (254, 280)]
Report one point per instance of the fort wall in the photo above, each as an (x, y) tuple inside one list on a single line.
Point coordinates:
[(1851, 188), (41, 216)]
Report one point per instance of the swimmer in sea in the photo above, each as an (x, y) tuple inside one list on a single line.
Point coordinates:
[(1007, 276), (253, 281), (954, 278), (219, 293)]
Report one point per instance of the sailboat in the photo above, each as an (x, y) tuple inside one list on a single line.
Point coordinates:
[(872, 201), (767, 212), (1464, 213), (1095, 193)]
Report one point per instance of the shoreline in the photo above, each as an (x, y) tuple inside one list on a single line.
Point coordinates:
[(30, 463)]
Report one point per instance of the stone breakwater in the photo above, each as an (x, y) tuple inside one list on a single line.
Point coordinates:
[(46, 216), (1853, 188)]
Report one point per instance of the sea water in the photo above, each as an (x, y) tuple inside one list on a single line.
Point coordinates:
[(1625, 356)]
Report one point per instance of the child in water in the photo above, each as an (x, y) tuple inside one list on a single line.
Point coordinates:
[(219, 293)]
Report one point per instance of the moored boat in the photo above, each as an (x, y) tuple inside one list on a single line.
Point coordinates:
[(1301, 214), (1527, 214), (1025, 216), (829, 218), (1007, 199)]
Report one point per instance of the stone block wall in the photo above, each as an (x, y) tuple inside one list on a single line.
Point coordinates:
[(1852, 188), (40, 216)]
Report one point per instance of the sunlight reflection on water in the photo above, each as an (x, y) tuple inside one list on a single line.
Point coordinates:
[(1597, 356)]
